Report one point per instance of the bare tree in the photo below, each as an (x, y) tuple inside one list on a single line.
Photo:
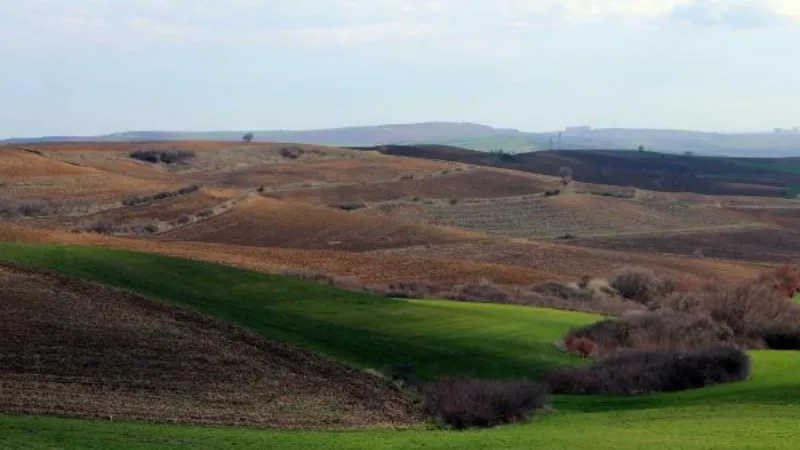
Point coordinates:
[(566, 175)]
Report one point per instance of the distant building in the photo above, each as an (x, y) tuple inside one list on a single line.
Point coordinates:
[(580, 129)]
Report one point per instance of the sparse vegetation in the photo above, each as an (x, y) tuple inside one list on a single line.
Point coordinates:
[(12, 209), (141, 199), (163, 156)]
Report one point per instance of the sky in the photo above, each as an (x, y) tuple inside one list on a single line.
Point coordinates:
[(82, 67)]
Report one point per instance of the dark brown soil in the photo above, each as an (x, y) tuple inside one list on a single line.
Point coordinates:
[(73, 348), (768, 245)]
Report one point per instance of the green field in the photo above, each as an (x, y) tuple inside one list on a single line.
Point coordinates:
[(441, 338)]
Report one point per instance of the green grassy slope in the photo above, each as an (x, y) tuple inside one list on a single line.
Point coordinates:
[(439, 337), (442, 337)]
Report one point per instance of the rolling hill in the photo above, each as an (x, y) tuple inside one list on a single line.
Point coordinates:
[(777, 177), (444, 337), (486, 138), (79, 349)]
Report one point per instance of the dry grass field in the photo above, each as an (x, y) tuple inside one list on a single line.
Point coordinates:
[(73, 348)]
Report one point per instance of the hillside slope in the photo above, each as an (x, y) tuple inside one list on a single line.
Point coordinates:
[(80, 349), (268, 222)]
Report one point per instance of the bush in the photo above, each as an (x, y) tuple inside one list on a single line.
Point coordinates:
[(653, 371), (552, 192), (480, 291), (641, 285), (757, 314), (652, 330), (784, 279), (27, 208), (470, 403), (162, 156), (138, 200), (352, 206), (413, 289)]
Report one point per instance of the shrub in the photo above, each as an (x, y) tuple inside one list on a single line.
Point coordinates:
[(102, 226), (138, 200), (413, 289), (653, 371), (481, 291), (27, 208), (641, 285), (757, 314), (652, 330), (351, 206), (552, 192), (162, 156), (470, 403), (291, 152), (784, 279)]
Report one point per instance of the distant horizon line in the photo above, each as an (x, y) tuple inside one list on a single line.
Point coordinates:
[(566, 129)]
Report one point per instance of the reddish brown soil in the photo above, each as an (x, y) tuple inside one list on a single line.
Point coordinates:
[(265, 222), (80, 349)]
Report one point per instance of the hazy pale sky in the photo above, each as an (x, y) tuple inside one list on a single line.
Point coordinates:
[(98, 66)]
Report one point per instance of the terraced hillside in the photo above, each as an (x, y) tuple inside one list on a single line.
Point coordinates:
[(580, 215)]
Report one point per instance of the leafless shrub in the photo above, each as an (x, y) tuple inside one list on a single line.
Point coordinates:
[(13, 209), (653, 371), (162, 156), (470, 403), (139, 199), (652, 330), (482, 291), (641, 285)]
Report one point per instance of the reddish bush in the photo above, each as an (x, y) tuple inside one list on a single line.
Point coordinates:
[(785, 280)]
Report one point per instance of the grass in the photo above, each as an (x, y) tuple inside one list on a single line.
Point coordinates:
[(441, 337)]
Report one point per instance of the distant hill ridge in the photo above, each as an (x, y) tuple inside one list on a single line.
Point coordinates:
[(485, 138)]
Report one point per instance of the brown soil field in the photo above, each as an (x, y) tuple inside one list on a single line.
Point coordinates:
[(578, 215), (265, 222), (73, 348), (507, 262), (770, 245), (449, 185)]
